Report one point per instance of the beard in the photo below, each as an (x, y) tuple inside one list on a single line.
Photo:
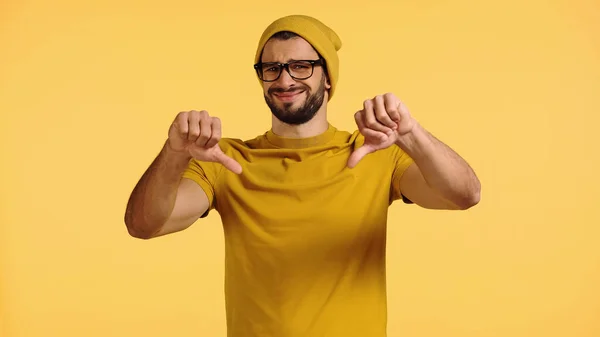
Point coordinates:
[(305, 112)]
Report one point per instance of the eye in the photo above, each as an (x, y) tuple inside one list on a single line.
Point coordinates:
[(299, 66), (270, 67)]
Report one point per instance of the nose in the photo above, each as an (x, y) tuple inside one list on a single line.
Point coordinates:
[(285, 80)]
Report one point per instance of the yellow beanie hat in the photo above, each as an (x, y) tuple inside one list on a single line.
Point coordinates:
[(325, 41)]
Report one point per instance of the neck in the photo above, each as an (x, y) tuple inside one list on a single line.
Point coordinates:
[(314, 127)]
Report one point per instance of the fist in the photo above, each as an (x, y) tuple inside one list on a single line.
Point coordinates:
[(382, 121), (198, 134)]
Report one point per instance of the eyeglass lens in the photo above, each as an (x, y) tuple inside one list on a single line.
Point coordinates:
[(297, 69)]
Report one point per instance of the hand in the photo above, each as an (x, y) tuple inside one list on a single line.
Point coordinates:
[(198, 134), (382, 121)]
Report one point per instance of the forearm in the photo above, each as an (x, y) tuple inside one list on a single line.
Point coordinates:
[(153, 198), (443, 169)]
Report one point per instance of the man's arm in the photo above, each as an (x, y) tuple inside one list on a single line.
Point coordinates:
[(439, 177), (162, 202)]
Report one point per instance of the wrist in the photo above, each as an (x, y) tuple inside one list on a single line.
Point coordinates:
[(176, 155), (415, 142)]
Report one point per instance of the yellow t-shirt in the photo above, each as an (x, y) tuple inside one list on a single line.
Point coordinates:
[(304, 235)]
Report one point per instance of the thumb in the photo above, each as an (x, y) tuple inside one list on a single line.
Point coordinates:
[(229, 163), (358, 154)]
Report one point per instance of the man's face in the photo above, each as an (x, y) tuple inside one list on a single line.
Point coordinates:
[(294, 101)]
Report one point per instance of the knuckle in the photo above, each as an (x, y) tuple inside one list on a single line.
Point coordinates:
[(203, 116), (381, 112), (371, 123)]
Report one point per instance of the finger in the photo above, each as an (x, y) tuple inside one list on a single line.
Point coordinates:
[(215, 137), (392, 108), (402, 110), (205, 129), (382, 112), (181, 124), (229, 163), (193, 125), (369, 118), (358, 155), (364, 130)]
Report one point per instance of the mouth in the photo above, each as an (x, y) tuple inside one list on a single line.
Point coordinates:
[(288, 96)]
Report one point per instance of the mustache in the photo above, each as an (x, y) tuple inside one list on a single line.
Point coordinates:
[(273, 90)]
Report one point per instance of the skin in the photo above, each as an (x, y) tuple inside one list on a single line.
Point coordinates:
[(284, 51), (439, 178), (162, 202)]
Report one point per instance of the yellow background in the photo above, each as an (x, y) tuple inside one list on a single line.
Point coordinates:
[(87, 92)]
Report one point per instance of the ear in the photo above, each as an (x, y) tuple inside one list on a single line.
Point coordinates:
[(327, 83)]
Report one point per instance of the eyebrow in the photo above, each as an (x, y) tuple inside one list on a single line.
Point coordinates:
[(291, 60), (296, 59)]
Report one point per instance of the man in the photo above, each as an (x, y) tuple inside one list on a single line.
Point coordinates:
[(304, 205)]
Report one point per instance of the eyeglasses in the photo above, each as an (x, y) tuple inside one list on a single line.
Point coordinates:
[(298, 70)]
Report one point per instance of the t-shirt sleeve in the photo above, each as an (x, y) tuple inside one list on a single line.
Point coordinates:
[(204, 174), (401, 162)]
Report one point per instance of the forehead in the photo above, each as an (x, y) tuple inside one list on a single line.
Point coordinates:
[(296, 48)]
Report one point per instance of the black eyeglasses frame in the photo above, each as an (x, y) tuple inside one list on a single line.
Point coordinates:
[(286, 66)]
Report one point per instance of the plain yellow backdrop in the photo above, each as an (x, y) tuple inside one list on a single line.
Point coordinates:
[(88, 90)]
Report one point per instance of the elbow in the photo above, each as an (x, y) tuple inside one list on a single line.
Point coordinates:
[(137, 230), (470, 199), (139, 234), (469, 203)]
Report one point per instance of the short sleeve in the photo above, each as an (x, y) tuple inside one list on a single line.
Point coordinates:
[(401, 162), (204, 174)]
